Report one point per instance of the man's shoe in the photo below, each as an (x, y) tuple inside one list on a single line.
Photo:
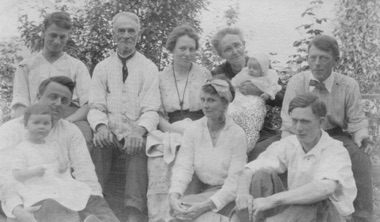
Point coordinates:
[(134, 214)]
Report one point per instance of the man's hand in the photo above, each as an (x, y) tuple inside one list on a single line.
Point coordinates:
[(262, 204), (103, 136), (25, 214), (362, 140), (243, 202), (135, 142)]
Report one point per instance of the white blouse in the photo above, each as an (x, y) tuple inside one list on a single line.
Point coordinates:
[(169, 95), (214, 165)]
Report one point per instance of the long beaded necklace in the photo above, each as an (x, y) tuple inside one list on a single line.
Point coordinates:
[(184, 90)]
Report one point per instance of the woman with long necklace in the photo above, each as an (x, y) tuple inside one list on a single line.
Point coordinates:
[(180, 84)]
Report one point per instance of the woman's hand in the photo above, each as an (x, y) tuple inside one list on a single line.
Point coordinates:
[(177, 206), (248, 88)]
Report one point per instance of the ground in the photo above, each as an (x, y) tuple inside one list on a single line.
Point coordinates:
[(115, 187)]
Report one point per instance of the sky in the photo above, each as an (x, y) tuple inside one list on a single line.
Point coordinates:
[(269, 26)]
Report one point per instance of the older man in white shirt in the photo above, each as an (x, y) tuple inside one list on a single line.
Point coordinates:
[(57, 93), (124, 100), (320, 179)]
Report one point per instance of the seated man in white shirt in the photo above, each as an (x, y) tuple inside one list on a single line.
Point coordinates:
[(55, 92), (319, 176)]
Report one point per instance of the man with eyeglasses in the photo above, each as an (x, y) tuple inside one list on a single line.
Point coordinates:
[(124, 100), (345, 119)]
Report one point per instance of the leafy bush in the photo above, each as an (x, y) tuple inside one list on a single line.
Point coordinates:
[(8, 62)]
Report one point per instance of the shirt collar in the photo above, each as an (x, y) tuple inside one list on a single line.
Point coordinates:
[(328, 82), (318, 148), (124, 60)]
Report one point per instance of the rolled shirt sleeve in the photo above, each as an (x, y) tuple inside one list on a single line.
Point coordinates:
[(355, 117), (150, 101), (337, 167), (97, 98), (21, 92), (83, 80)]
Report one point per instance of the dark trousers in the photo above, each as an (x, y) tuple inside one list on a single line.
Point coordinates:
[(361, 168), (136, 173), (266, 183)]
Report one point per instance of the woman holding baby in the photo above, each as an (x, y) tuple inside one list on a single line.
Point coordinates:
[(229, 44)]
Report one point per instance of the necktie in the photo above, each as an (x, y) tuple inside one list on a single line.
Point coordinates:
[(319, 86), (125, 72)]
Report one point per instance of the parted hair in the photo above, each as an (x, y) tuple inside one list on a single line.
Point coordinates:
[(219, 35), (37, 109), (305, 100), (63, 80), (60, 19), (325, 43), (180, 31)]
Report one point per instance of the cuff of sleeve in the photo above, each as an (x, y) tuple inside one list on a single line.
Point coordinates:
[(219, 205), (176, 190), (10, 204), (19, 101), (354, 127)]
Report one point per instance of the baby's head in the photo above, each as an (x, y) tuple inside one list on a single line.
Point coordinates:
[(38, 121), (254, 67), (258, 65)]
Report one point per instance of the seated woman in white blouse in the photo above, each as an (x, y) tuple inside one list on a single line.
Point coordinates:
[(214, 148)]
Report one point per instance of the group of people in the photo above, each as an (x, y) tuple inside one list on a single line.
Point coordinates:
[(199, 145)]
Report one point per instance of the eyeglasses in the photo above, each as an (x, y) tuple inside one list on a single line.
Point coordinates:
[(235, 46)]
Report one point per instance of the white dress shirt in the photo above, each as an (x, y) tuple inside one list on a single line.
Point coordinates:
[(328, 159)]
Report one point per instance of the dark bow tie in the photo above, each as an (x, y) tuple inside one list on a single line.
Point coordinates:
[(319, 86)]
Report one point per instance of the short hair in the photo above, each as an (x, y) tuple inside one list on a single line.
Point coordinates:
[(129, 15), (37, 109), (325, 43), (211, 90), (180, 31), (60, 19), (305, 100), (63, 80), (219, 35)]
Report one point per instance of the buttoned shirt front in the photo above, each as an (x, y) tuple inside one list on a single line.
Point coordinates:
[(123, 106), (328, 159), (32, 71), (342, 101), (74, 149)]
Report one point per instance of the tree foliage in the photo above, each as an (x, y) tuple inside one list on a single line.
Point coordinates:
[(8, 61), (358, 30), (310, 30), (91, 38)]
